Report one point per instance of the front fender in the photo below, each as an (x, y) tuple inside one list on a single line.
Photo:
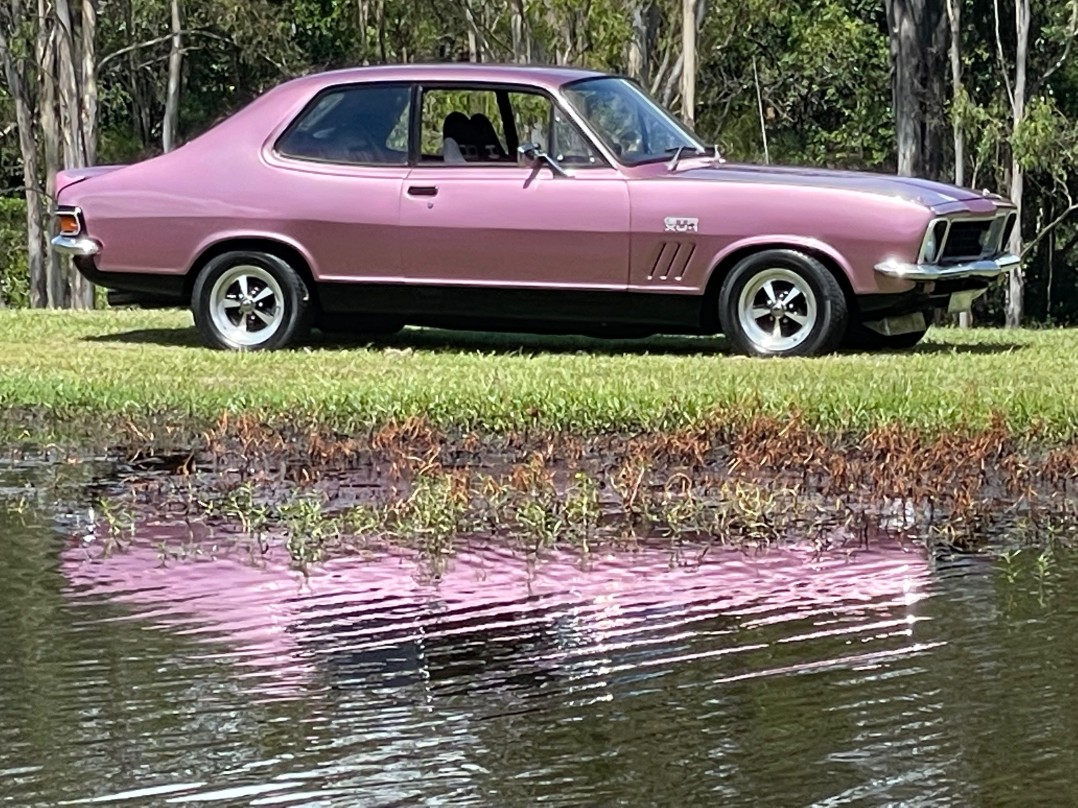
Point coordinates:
[(864, 282)]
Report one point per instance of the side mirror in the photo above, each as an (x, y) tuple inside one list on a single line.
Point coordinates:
[(533, 155)]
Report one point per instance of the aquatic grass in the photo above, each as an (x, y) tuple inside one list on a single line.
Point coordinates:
[(143, 373)]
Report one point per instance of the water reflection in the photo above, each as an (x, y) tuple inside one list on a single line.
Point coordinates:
[(877, 676), (475, 687), (495, 621)]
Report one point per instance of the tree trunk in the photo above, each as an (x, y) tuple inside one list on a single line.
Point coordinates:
[(362, 15), (172, 94), (72, 127), (70, 111), (474, 43), (1017, 286), (902, 29), (19, 90), (55, 266), (917, 32), (638, 44), (89, 81), (688, 64), (934, 34), (380, 19), (518, 22), (954, 19), (55, 283)]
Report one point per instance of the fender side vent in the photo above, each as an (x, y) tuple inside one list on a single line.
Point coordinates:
[(671, 260)]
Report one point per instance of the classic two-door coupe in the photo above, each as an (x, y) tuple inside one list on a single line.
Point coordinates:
[(522, 198)]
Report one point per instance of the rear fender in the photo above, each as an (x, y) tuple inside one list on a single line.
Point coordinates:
[(72, 176)]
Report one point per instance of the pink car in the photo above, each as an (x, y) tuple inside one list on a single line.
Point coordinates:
[(520, 198)]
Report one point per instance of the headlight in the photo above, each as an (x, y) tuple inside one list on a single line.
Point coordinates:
[(932, 246), (931, 249)]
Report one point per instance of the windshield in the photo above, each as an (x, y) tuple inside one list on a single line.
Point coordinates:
[(631, 125)]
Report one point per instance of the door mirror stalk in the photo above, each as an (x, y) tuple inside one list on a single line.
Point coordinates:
[(534, 156)]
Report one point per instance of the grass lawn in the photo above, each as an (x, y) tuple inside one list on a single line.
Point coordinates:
[(81, 368)]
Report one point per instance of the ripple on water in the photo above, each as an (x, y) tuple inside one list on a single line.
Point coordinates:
[(220, 682)]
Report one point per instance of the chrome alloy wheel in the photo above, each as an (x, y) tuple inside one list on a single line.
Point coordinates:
[(777, 310), (247, 305)]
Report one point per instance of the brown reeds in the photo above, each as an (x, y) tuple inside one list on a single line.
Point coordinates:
[(756, 481)]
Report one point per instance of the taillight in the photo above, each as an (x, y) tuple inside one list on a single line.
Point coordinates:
[(68, 221)]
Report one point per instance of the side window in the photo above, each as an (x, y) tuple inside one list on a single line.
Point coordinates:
[(538, 121), (569, 147), (462, 126), (355, 124)]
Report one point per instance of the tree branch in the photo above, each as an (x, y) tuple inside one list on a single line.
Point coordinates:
[(999, 53), (1072, 33), (1052, 225), (149, 43)]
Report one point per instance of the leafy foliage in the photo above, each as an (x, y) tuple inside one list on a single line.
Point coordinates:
[(14, 280)]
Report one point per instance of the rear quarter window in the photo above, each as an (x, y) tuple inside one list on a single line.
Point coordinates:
[(364, 125)]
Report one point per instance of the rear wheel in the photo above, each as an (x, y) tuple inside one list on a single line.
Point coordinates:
[(782, 303), (250, 301)]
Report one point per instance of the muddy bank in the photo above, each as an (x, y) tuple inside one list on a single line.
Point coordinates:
[(759, 482)]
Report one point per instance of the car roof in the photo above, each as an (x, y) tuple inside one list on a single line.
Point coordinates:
[(546, 76)]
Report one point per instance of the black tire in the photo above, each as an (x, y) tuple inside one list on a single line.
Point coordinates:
[(229, 320), (810, 321)]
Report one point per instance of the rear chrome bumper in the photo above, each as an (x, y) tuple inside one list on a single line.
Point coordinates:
[(986, 268), (76, 245)]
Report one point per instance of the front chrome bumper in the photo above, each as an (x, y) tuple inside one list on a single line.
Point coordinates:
[(990, 268), (76, 245)]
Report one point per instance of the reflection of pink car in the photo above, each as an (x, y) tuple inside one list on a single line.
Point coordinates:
[(524, 198), (558, 615)]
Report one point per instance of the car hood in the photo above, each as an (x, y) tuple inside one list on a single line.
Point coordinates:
[(912, 189)]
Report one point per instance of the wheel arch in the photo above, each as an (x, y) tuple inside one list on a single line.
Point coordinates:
[(725, 261), (289, 251)]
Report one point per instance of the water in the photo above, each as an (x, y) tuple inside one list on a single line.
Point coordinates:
[(873, 677)]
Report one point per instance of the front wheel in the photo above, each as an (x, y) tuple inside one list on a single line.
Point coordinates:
[(250, 301), (782, 303)]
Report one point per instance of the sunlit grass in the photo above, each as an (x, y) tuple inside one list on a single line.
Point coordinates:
[(77, 367)]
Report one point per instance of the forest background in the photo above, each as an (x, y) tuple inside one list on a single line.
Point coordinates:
[(983, 93)]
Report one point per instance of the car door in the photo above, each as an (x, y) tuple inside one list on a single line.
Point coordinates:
[(471, 214), (343, 163)]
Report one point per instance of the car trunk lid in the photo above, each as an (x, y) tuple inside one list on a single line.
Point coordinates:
[(72, 176)]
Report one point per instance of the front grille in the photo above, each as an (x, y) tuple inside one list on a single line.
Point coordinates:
[(966, 240)]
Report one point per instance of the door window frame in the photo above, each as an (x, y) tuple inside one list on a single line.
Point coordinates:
[(416, 144)]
